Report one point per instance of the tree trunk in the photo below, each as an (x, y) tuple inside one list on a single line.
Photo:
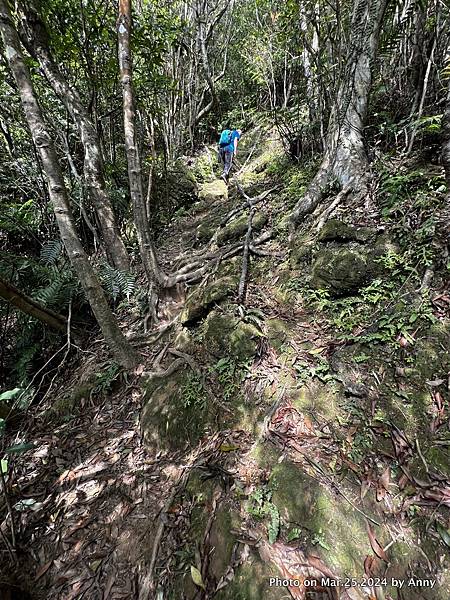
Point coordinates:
[(146, 245), (35, 38), (345, 156), (446, 143), (30, 307), (121, 349)]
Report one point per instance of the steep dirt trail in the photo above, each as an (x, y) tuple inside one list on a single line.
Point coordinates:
[(91, 490), (111, 515)]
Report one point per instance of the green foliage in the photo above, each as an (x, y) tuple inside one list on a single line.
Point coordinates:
[(260, 505), (411, 202), (118, 284), (61, 289), (320, 368), (381, 311), (105, 379), (193, 393), (51, 251), (229, 375)]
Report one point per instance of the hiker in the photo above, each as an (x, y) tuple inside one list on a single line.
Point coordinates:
[(227, 148)]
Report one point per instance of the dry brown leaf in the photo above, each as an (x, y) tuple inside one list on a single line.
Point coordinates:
[(385, 479), (375, 544), (365, 485), (43, 570)]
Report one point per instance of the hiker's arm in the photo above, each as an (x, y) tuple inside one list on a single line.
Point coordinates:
[(235, 144)]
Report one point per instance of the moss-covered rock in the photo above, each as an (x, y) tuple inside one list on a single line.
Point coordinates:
[(340, 270), (336, 230), (225, 335), (200, 302), (238, 228), (321, 514), (69, 403), (214, 190), (278, 332), (176, 412)]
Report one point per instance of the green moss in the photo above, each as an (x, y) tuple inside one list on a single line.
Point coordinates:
[(278, 332), (225, 336), (214, 190), (335, 230), (251, 582), (238, 228), (69, 404), (168, 421), (203, 299), (339, 270)]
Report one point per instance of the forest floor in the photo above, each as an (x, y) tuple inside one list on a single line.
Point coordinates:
[(294, 453)]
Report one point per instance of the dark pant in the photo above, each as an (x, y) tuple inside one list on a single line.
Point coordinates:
[(227, 160)]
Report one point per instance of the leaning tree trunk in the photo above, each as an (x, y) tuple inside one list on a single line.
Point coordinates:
[(345, 158), (141, 220), (446, 141), (35, 37), (30, 307), (120, 347)]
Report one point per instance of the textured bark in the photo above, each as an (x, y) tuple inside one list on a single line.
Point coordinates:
[(35, 37), (121, 349), (446, 143), (146, 245), (345, 156), (30, 307)]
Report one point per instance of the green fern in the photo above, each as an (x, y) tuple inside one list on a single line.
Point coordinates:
[(59, 291), (117, 283), (51, 251)]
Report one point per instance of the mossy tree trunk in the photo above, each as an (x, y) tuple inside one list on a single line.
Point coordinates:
[(35, 37), (120, 347), (345, 157)]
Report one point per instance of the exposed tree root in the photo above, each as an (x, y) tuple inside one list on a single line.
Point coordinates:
[(245, 259), (329, 211)]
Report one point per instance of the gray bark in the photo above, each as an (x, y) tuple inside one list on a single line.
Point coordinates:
[(121, 349), (446, 141), (145, 240), (35, 37), (345, 157)]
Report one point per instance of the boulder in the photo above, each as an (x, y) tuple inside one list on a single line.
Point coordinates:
[(341, 271), (338, 231), (214, 190), (200, 302), (344, 269), (225, 336), (238, 228)]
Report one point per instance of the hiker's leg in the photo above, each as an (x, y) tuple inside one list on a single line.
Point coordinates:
[(228, 163)]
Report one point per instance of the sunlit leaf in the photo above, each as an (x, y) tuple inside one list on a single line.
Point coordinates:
[(197, 577)]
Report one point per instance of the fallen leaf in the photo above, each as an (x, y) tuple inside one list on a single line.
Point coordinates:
[(375, 544), (228, 447), (385, 479), (197, 577), (444, 534), (365, 485), (43, 570), (317, 350)]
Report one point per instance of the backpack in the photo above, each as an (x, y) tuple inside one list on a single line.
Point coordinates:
[(225, 138)]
